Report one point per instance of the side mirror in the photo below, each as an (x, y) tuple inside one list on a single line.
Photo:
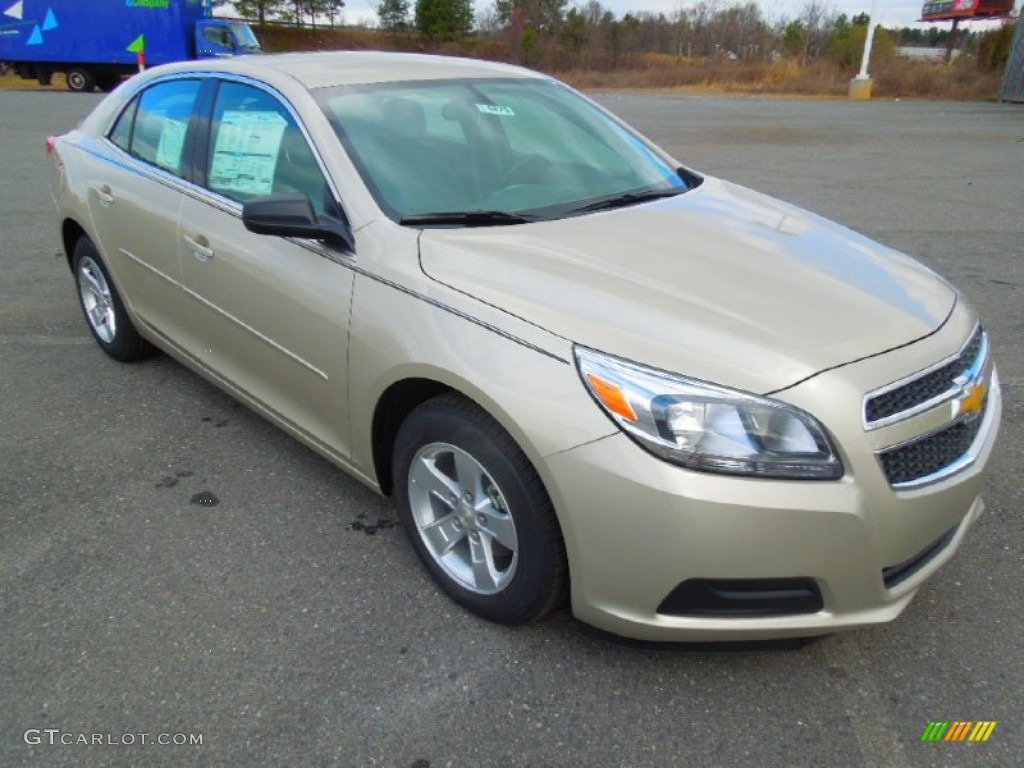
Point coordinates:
[(293, 216)]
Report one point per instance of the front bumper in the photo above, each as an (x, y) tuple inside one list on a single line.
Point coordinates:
[(637, 527)]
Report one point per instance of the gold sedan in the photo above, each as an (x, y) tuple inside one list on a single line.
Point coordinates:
[(579, 367)]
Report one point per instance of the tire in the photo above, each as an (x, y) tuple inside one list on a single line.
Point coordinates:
[(476, 512), (81, 80), (104, 312), (107, 83)]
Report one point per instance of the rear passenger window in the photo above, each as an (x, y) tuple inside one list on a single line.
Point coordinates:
[(257, 149), (160, 123)]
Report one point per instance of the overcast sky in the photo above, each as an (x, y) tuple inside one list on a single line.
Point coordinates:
[(890, 13)]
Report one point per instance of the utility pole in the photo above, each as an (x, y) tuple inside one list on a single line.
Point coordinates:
[(860, 86)]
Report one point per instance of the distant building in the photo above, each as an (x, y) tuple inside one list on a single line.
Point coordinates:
[(924, 53)]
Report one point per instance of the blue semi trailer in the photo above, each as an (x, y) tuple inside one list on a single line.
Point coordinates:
[(97, 42)]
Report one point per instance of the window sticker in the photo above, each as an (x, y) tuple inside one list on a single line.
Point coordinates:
[(494, 109), (245, 155), (172, 142)]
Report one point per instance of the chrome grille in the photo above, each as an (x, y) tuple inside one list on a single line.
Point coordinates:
[(924, 390), (928, 455)]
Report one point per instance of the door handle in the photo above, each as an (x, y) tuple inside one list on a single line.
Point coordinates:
[(200, 247), (103, 194)]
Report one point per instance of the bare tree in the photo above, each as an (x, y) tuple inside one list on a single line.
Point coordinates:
[(818, 17), (593, 11), (487, 21)]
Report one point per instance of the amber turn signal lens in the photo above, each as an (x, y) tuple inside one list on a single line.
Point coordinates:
[(612, 397)]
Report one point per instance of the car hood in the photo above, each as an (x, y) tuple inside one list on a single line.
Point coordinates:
[(721, 283)]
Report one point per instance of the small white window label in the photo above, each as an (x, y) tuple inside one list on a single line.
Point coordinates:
[(172, 142), (494, 109)]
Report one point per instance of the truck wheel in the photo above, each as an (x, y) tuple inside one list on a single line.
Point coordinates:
[(81, 81), (107, 83)]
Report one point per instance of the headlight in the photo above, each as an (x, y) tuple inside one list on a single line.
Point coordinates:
[(707, 427)]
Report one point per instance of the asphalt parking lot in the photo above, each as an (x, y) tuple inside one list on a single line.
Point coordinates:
[(290, 624)]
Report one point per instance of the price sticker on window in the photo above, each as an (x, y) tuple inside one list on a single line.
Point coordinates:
[(495, 109)]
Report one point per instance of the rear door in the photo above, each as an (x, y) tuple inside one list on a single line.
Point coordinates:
[(135, 187), (269, 314)]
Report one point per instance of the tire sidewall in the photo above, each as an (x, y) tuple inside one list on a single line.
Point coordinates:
[(527, 595)]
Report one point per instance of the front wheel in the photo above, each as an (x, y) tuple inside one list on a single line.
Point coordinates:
[(477, 513)]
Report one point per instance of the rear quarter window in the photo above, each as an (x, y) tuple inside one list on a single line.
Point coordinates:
[(121, 133)]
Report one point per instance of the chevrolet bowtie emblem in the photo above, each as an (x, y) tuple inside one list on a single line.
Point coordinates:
[(972, 400)]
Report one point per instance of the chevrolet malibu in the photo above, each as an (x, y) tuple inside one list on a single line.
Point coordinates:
[(579, 367)]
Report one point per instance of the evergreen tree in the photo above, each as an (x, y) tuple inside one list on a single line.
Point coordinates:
[(260, 10), (546, 14), (444, 19), (393, 14)]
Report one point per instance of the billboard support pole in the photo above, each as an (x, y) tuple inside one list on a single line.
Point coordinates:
[(860, 86), (952, 42)]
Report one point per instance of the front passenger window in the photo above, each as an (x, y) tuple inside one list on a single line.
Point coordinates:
[(257, 149)]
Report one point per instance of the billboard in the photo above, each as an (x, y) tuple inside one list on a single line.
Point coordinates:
[(947, 10)]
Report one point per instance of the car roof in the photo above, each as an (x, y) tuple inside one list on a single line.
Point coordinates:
[(324, 69)]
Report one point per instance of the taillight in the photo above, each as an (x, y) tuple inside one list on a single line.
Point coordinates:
[(53, 154)]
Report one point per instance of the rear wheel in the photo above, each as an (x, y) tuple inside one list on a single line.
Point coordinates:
[(477, 513), (107, 83), (104, 312), (81, 80)]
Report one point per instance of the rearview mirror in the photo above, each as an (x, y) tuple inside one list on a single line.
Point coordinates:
[(293, 216)]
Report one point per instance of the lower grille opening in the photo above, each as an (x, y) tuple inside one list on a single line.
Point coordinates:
[(895, 574), (743, 598)]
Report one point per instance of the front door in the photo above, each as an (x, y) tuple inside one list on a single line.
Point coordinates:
[(269, 314)]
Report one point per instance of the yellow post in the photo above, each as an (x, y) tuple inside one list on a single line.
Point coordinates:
[(860, 89)]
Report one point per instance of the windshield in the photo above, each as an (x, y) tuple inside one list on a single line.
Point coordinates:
[(244, 37), (528, 147)]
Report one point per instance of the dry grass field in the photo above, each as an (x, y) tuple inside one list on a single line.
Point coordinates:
[(894, 77)]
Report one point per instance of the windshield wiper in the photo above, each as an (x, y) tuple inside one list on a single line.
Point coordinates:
[(466, 218), (628, 198)]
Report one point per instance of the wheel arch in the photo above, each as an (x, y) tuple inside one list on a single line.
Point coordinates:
[(393, 406), (403, 395), (70, 233)]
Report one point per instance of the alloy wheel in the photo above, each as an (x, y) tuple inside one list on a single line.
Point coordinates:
[(97, 300), (462, 517)]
